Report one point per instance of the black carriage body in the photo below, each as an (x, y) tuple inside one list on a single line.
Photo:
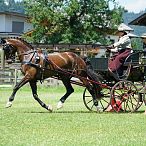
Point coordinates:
[(100, 66), (136, 61), (137, 71)]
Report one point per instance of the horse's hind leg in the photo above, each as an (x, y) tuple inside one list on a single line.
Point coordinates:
[(93, 91), (69, 90), (33, 85)]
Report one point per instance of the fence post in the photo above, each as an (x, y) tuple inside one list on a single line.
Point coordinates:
[(2, 64), (2, 60), (15, 77)]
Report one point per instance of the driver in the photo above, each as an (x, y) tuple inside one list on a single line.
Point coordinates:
[(122, 48)]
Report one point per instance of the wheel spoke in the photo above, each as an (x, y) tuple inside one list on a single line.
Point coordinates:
[(89, 101), (126, 96), (92, 106), (103, 103)]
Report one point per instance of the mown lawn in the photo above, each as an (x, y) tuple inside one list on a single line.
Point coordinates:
[(28, 124)]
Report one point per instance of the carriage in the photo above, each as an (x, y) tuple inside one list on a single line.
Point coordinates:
[(117, 93), (124, 93)]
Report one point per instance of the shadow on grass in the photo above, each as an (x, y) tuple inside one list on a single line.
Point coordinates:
[(79, 111), (96, 112), (84, 112), (136, 112), (57, 112)]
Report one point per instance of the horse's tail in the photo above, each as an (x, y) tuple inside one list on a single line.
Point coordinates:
[(92, 75), (90, 71)]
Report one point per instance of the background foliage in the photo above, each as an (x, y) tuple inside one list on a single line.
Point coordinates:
[(74, 21), (87, 24)]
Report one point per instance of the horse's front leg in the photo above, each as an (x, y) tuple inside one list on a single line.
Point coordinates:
[(33, 85), (24, 80)]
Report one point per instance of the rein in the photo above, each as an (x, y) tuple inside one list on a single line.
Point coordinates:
[(63, 71), (60, 70), (28, 52)]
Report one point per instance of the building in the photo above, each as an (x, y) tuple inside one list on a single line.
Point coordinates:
[(13, 24), (141, 20)]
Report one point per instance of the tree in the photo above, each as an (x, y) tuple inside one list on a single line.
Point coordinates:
[(3, 5), (11, 5), (72, 21)]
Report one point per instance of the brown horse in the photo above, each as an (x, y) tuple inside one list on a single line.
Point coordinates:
[(37, 65)]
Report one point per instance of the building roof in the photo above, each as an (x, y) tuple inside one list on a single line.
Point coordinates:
[(141, 20), (13, 14)]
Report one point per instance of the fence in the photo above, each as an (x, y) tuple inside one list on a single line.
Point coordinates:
[(11, 74)]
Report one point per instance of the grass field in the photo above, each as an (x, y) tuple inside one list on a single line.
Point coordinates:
[(28, 124)]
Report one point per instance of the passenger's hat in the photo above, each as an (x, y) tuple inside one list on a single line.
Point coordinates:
[(143, 35), (131, 35)]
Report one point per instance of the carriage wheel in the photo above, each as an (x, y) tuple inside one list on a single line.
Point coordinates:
[(103, 103), (124, 97), (139, 86), (126, 72)]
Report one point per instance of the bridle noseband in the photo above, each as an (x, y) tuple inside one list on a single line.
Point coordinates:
[(9, 52)]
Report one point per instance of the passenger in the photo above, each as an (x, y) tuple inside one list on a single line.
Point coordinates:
[(122, 48), (144, 40), (144, 47)]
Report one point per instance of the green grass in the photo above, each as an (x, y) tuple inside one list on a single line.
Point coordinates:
[(28, 124)]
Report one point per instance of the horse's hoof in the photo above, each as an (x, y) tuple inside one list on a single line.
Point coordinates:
[(99, 109), (50, 108), (9, 104), (59, 105)]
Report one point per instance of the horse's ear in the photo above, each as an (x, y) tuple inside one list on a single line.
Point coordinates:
[(2, 41)]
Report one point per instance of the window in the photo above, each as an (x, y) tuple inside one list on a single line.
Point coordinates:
[(17, 27)]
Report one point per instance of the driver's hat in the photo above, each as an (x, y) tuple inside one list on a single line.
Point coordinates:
[(123, 27)]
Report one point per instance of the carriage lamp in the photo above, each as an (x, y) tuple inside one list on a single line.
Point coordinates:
[(143, 60)]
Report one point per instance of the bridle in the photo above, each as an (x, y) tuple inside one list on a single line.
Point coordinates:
[(9, 52)]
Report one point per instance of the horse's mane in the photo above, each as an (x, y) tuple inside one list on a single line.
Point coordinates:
[(23, 41)]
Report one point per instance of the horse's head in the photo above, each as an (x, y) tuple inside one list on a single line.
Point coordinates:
[(9, 51)]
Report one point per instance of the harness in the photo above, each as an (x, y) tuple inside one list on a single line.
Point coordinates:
[(47, 64)]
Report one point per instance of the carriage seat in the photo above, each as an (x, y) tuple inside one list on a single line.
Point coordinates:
[(133, 59), (99, 64)]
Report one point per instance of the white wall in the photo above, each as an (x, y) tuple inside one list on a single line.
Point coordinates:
[(6, 23), (2, 23)]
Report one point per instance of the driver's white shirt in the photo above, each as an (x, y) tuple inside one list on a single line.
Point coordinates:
[(123, 43)]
